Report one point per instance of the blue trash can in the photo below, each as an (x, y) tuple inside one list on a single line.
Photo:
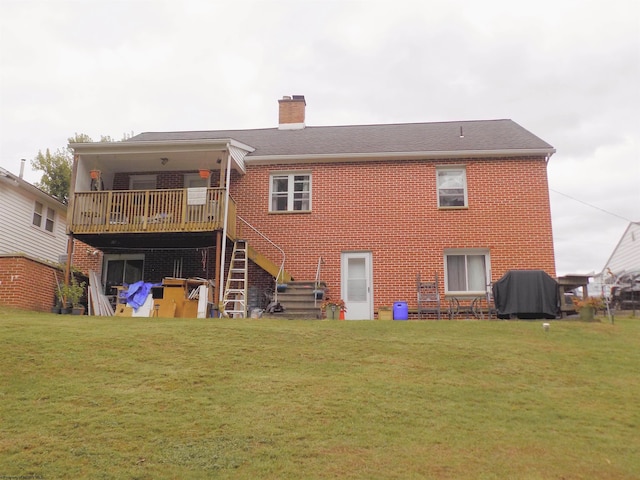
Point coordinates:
[(400, 311)]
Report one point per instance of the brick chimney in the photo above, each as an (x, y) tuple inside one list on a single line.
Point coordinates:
[(291, 112)]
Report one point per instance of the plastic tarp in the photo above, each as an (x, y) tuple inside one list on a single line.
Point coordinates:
[(526, 294)]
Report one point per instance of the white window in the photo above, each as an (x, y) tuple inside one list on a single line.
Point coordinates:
[(193, 180), (452, 187), (37, 214), (48, 224), (290, 192), (40, 213), (142, 182), (466, 271)]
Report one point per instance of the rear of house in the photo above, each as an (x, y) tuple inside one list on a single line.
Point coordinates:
[(360, 209)]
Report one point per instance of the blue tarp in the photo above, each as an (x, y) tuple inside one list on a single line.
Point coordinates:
[(137, 293)]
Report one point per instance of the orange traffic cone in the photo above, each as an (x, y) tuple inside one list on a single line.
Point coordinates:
[(341, 314)]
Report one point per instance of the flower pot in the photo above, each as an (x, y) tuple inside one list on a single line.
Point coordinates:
[(95, 174), (587, 314), (204, 174), (56, 309), (332, 312), (79, 310)]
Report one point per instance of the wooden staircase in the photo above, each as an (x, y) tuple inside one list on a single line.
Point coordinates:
[(299, 301)]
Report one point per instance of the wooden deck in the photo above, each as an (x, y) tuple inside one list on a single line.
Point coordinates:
[(151, 211)]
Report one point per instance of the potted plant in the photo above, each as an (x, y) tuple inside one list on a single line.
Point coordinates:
[(70, 295), (587, 307), (332, 308)]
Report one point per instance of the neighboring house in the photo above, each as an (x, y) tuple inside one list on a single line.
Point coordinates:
[(33, 238), (624, 260), (364, 207)]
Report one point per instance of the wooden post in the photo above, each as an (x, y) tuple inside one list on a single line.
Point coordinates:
[(67, 269), (216, 293)]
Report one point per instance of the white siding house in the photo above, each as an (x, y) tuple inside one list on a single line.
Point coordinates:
[(624, 259), (32, 222)]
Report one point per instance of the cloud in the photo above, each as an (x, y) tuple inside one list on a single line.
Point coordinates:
[(567, 71)]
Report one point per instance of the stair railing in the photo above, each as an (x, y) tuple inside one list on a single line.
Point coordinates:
[(316, 285), (281, 270)]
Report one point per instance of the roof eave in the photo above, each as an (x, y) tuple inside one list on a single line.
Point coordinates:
[(154, 146), (336, 157)]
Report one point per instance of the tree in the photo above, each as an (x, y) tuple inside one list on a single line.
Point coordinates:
[(57, 166), (57, 173)]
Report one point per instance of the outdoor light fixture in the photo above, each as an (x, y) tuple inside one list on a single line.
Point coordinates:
[(164, 160)]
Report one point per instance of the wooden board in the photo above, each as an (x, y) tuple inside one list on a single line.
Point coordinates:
[(124, 311), (166, 308), (190, 309)]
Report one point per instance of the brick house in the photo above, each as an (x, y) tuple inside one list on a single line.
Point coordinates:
[(32, 240), (363, 207)]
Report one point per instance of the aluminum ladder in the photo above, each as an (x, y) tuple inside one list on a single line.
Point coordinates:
[(234, 300)]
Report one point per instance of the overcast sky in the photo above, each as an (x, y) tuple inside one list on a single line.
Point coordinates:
[(568, 71)]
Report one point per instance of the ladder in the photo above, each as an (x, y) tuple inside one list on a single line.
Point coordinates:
[(234, 301)]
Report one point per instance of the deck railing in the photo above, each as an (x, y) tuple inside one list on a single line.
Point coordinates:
[(143, 211)]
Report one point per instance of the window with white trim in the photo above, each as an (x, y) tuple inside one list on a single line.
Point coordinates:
[(452, 186), (37, 214), (48, 224), (40, 214), (142, 182), (290, 192), (466, 271), (193, 180)]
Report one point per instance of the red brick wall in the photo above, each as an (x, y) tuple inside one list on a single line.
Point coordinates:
[(164, 180), (28, 284), (86, 258), (390, 209)]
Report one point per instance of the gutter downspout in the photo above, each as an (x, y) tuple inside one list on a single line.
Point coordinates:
[(224, 227)]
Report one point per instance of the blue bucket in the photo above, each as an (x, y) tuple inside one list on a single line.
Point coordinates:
[(400, 311)]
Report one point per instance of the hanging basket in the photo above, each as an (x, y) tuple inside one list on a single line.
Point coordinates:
[(95, 174), (204, 173)]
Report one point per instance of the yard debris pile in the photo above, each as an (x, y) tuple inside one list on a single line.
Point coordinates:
[(173, 297), (625, 292)]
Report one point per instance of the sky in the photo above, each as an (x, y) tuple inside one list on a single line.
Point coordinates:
[(566, 70)]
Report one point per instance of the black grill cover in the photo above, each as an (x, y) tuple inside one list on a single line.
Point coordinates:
[(526, 294)]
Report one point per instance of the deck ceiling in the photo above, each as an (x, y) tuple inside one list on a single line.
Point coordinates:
[(118, 243)]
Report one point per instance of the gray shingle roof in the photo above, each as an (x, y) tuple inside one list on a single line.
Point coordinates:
[(481, 135)]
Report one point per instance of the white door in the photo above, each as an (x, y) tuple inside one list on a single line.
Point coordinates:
[(357, 279)]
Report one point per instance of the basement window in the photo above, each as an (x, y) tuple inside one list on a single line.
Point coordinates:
[(290, 192)]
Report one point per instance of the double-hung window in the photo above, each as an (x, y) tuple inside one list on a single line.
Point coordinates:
[(466, 271), (290, 192), (452, 186), (41, 213), (37, 214), (142, 182)]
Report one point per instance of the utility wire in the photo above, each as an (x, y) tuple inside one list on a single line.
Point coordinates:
[(592, 206)]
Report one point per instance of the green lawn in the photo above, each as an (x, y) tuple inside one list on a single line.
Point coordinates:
[(90, 397)]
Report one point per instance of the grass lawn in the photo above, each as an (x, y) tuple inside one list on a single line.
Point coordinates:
[(91, 397)]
